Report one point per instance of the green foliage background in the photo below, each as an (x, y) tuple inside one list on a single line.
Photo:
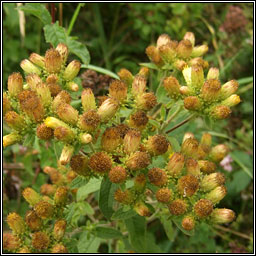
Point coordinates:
[(116, 36)]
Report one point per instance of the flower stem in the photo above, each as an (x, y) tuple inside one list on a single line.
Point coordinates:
[(73, 20)]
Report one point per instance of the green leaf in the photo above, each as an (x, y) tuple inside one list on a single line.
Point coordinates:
[(175, 144), (177, 221), (149, 65), (136, 227), (107, 197), (92, 186), (55, 34), (151, 246), (88, 243), (29, 141), (38, 10), (107, 233), (78, 182), (163, 112), (79, 50), (154, 123), (168, 227), (120, 214)]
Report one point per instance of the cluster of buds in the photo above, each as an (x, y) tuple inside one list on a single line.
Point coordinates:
[(170, 54), (205, 96)]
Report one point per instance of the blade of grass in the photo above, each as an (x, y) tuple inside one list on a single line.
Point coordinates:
[(246, 170), (73, 20), (101, 70)]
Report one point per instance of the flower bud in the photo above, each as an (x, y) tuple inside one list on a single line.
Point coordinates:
[(126, 76), (188, 135), (144, 71), (188, 185), (118, 90), (24, 249), (138, 120), (140, 183), (188, 223), (180, 64), (117, 174), (221, 216), (110, 139), (79, 164), (44, 94), (198, 62), (192, 167), (101, 99), (146, 101), (228, 89), (44, 210), (172, 86), (137, 161), (88, 100), (213, 73), (40, 240), (164, 195), (138, 85), (59, 248), (33, 221), (85, 138), (47, 189), (194, 76), (37, 59), (191, 37), (203, 208), (190, 147), (157, 145), (220, 112), (72, 86), (71, 175), (124, 197), (29, 67), (67, 113), (55, 176), (175, 164), (62, 97), (178, 207), (43, 132), (53, 123), (6, 104), (122, 130), (157, 176), (63, 51), (59, 229), (53, 61), (31, 196), (72, 70), (217, 194), (16, 223), (100, 163), (15, 84), (184, 49), (218, 152), (64, 134), (206, 142), (15, 121), (61, 196), (142, 209), (153, 54), (11, 139), (199, 50), (108, 109), (206, 166), (10, 242), (66, 154), (192, 103), (212, 180), (132, 141), (89, 121), (231, 101), (162, 40), (168, 51), (55, 89), (210, 90), (33, 80)]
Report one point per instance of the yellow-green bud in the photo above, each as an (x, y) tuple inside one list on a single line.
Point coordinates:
[(33, 80), (210, 90), (117, 174), (16, 223), (191, 37), (6, 104), (66, 154), (85, 138), (153, 54), (132, 141), (37, 59), (218, 152), (62, 97), (88, 100), (221, 216), (212, 180), (64, 134), (72, 86), (24, 249), (231, 101), (190, 147), (63, 51), (72, 70), (206, 166), (61, 196), (29, 67), (217, 194), (144, 71), (228, 89), (220, 112), (179, 64), (184, 49), (203, 208), (59, 229), (168, 51), (146, 101), (110, 139), (126, 76), (67, 113), (79, 164), (44, 94), (172, 86), (10, 242), (118, 90), (192, 103), (162, 40), (213, 73), (137, 161), (192, 167), (108, 109), (15, 84), (33, 221), (194, 76), (59, 248), (198, 61), (40, 240), (31, 196), (138, 85), (157, 145), (14, 120), (100, 163), (53, 61), (164, 195), (175, 164), (188, 223), (142, 209), (44, 210), (199, 51), (53, 123), (11, 139), (178, 207), (206, 142), (157, 176), (185, 90)]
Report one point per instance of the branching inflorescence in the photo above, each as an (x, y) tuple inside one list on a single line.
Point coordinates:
[(115, 139)]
